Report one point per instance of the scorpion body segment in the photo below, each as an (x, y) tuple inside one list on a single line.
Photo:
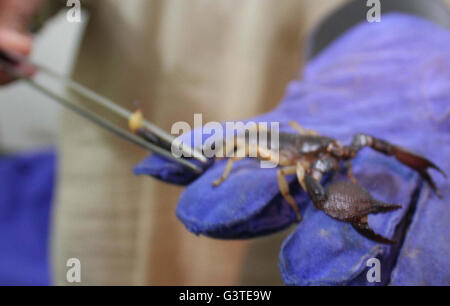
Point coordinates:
[(304, 144), (310, 156)]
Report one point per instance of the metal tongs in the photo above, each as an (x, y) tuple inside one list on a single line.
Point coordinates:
[(159, 142)]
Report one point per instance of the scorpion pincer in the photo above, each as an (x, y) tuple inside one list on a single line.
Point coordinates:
[(311, 156)]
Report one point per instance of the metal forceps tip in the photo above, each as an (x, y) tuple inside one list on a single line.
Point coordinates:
[(17, 66)]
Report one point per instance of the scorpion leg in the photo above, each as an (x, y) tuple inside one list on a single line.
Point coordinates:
[(240, 140), (406, 157), (242, 153), (350, 173), (300, 171), (266, 155), (284, 188), (227, 171), (301, 130)]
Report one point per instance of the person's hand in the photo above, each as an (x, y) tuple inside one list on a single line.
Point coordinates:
[(15, 16), (390, 84)]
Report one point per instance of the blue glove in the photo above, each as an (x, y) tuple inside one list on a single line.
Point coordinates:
[(26, 194), (388, 79)]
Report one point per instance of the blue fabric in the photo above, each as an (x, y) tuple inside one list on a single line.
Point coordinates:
[(390, 80), (26, 194)]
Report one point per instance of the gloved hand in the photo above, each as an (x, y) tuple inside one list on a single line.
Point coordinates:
[(388, 79), (26, 195), (15, 16)]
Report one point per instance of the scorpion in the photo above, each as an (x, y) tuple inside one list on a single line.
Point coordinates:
[(310, 156)]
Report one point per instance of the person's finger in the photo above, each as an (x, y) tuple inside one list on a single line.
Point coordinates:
[(16, 14), (15, 42), (4, 78)]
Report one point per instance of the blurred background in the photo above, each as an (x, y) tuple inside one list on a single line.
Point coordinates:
[(226, 59)]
